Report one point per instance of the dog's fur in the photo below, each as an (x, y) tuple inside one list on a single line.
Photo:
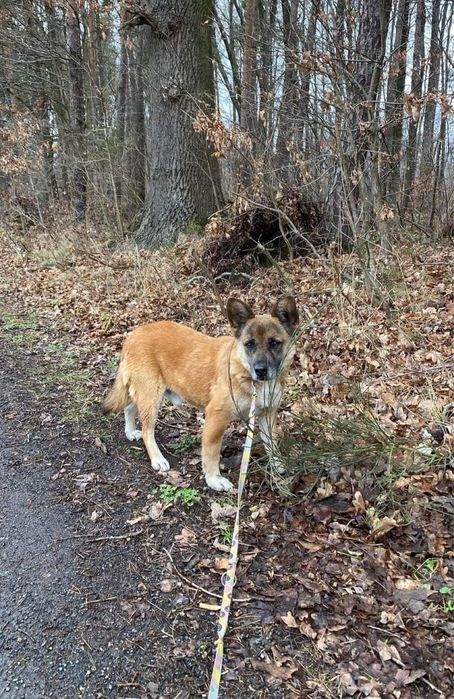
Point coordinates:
[(214, 374)]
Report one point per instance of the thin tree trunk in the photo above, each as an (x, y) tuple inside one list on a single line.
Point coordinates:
[(121, 107), (77, 115), (288, 108), (248, 116), (417, 77), (433, 85), (396, 87)]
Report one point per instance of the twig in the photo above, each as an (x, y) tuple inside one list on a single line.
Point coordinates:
[(100, 601), (431, 685), (198, 587), (109, 538)]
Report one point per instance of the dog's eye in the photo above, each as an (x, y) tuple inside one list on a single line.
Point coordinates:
[(274, 344), (250, 344)]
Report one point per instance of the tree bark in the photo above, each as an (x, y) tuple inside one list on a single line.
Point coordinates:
[(77, 115), (396, 87), (433, 84), (417, 77), (136, 154), (184, 176), (121, 107), (289, 120)]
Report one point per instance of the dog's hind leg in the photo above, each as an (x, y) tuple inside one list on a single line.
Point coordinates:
[(131, 431), (148, 402)]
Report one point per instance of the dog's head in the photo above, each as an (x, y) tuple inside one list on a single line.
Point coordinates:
[(265, 340)]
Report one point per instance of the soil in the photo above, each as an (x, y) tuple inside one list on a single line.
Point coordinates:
[(82, 607), (109, 587)]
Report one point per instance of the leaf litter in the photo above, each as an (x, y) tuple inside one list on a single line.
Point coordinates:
[(341, 599)]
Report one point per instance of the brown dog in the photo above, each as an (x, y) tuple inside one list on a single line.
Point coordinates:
[(214, 374)]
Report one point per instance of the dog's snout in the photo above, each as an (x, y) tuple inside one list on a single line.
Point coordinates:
[(261, 371)]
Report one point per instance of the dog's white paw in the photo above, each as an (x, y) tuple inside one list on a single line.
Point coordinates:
[(133, 435), (160, 464), (218, 483)]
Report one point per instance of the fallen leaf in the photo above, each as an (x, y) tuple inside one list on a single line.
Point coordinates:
[(282, 673), (100, 444), (387, 651), (186, 537), (221, 512), (175, 478), (167, 585), (404, 677), (221, 563), (307, 630), (289, 620)]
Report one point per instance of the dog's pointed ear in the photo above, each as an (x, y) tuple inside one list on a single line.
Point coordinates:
[(286, 312), (238, 314)]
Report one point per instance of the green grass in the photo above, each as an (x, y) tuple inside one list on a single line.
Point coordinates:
[(226, 535), (187, 496), (183, 445)]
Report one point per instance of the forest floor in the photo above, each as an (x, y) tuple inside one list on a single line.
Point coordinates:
[(110, 576)]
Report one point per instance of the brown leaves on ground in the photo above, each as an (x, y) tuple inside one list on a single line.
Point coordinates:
[(350, 590)]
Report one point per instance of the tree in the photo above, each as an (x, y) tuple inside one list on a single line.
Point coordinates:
[(433, 85), (77, 113), (417, 77), (184, 182)]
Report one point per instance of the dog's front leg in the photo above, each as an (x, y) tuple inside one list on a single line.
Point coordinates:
[(216, 421), (267, 429)]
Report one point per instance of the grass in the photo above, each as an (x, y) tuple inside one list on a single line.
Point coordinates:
[(184, 445), (354, 446), (226, 535), (20, 331), (187, 496)]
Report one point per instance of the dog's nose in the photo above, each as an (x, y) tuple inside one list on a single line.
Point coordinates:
[(261, 371)]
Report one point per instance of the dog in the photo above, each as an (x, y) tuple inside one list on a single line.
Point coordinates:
[(214, 374)]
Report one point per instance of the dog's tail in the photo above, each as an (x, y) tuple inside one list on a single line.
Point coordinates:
[(118, 396)]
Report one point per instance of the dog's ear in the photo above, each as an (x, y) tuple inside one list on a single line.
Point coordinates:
[(238, 314), (285, 311)]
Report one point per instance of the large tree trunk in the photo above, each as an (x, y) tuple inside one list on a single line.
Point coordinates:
[(184, 176), (136, 155), (77, 115)]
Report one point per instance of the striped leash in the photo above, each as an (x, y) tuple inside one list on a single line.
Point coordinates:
[(229, 576)]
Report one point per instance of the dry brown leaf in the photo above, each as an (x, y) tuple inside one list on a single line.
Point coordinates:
[(167, 585), (221, 563), (405, 677), (186, 537), (175, 478), (387, 651), (281, 673), (307, 630), (221, 512), (289, 620)]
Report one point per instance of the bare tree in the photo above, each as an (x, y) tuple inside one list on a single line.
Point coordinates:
[(433, 84), (184, 177), (77, 113)]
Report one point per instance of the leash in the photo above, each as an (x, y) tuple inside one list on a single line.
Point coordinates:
[(229, 576)]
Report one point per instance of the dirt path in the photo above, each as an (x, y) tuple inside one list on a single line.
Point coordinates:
[(103, 581), (91, 606), (36, 571)]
